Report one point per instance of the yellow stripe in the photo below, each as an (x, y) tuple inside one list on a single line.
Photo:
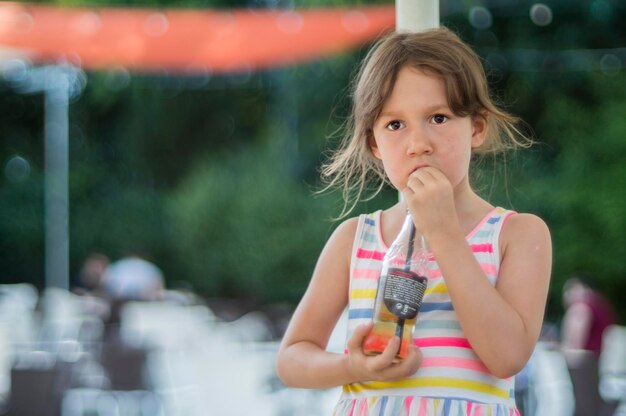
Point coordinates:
[(371, 293), (438, 288), (363, 294), (429, 382)]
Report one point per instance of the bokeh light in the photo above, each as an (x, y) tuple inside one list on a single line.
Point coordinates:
[(354, 21), (117, 79), (601, 10), (156, 25), (17, 169), (540, 14), (610, 64), (290, 22), (480, 17)]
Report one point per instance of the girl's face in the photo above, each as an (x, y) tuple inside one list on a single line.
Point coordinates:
[(416, 128)]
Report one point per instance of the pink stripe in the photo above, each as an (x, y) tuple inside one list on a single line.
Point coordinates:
[(364, 407), (352, 408), (442, 342), (455, 362), (423, 409), (407, 404), (369, 254), (365, 273), (482, 248), (507, 215), (479, 411), (489, 268), (469, 408), (435, 273)]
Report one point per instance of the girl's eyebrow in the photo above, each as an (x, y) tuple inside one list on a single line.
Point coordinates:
[(430, 109)]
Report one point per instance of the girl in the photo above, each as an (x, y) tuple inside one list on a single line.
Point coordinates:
[(421, 109)]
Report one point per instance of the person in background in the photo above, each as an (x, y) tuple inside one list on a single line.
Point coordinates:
[(91, 274), (95, 300), (134, 278), (587, 314)]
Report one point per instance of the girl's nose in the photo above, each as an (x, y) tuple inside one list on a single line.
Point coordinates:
[(419, 144)]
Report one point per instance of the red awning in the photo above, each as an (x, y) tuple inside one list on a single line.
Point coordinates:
[(185, 40)]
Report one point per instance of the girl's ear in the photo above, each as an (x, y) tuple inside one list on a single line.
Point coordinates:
[(373, 146), (479, 130)]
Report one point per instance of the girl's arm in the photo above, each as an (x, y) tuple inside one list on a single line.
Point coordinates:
[(502, 323), (302, 360)]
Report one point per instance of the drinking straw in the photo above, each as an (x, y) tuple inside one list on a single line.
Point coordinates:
[(407, 268)]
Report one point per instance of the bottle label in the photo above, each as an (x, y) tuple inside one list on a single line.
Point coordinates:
[(403, 292)]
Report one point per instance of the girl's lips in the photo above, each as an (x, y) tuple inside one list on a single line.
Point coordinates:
[(418, 167)]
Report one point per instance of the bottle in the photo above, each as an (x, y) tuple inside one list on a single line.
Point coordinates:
[(400, 291)]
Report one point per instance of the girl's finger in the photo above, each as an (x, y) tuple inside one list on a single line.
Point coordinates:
[(356, 340), (385, 359)]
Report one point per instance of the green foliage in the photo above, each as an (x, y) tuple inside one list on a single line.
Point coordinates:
[(244, 227), (584, 189), (22, 231)]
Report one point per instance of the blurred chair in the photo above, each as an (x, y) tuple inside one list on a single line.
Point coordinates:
[(18, 303), (612, 368), (17, 326), (20, 293), (125, 366), (252, 327), (583, 370), (38, 381), (162, 324), (95, 402), (67, 316), (550, 390)]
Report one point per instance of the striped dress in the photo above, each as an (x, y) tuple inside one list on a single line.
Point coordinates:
[(451, 380)]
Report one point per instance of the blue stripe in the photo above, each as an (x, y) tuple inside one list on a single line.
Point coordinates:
[(383, 405), (360, 313), (483, 234), (370, 221), (436, 306), (493, 220), (446, 406), (369, 237)]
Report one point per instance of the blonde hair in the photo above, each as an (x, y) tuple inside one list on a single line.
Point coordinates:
[(353, 167)]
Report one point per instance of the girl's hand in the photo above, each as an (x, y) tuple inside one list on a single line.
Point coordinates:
[(380, 367), (430, 198)]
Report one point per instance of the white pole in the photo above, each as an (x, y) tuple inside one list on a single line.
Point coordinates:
[(56, 179), (416, 15)]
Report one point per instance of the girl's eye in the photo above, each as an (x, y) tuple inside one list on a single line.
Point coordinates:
[(394, 125), (439, 119)]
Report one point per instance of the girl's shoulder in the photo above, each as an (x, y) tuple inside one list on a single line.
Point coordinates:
[(524, 222), (344, 233), (350, 231), (524, 229)]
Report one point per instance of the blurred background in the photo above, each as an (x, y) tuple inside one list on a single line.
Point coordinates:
[(206, 181)]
